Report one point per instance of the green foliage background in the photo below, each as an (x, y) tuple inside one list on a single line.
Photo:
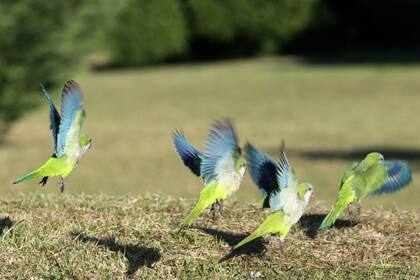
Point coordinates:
[(35, 47), (42, 41)]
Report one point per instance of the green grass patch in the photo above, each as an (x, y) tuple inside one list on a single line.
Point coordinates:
[(84, 237), (329, 115)]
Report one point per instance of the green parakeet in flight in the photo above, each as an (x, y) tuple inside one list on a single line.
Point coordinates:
[(280, 190), (371, 176), (221, 166), (69, 143)]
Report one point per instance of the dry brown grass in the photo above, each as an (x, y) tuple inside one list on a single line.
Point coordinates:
[(81, 236)]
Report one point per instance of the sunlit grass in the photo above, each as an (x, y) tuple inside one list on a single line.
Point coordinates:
[(314, 108), (136, 237)]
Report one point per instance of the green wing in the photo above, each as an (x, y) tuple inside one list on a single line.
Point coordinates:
[(399, 176), (349, 172), (371, 180)]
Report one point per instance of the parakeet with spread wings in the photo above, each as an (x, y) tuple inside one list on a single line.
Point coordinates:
[(221, 166), (281, 192), (371, 176), (69, 143)]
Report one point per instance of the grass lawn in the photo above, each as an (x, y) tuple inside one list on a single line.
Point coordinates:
[(104, 237), (329, 115)]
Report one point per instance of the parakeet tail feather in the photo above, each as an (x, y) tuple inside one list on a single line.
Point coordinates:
[(332, 216), (29, 176), (251, 237), (274, 223), (201, 205)]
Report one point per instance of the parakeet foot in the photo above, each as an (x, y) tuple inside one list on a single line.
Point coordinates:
[(182, 227), (43, 181), (349, 210), (272, 240), (220, 205), (359, 209), (61, 184), (282, 246), (213, 211), (354, 210), (216, 209)]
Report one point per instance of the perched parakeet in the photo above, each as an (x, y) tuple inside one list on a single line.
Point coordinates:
[(371, 176), (221, 165), (69, 143), (280, 190)]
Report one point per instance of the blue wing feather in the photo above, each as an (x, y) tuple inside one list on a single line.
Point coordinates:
[(399, 176), (54, 117), (71, 104), (283, 169), (262, 170), (188, 153), (221, 142)]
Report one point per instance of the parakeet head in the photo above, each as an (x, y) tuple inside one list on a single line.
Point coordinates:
[(85, 142), (305, 191), (373, 158)]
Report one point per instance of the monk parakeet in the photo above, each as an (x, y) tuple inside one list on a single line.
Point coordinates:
[(221, 166), (280, 190), (371, 176), (69, 143)]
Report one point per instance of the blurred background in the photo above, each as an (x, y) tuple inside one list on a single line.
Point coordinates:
[(334, 79)]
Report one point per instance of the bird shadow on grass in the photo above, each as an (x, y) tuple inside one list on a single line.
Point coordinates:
[(311, 222), (5, 224), (256, 247), (137, 255)]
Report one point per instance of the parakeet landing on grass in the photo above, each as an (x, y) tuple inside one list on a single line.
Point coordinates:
[(221, 165), (281, 192), (69, 143), (371, 176)]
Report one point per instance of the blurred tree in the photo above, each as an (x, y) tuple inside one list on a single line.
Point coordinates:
[(34, 47), (94, 21), (147, 31), (247, 26)]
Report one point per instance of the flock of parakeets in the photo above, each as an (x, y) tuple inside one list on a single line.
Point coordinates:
[(222, 166)]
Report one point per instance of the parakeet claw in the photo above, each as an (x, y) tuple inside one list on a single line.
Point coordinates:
[(61, 184), (220, 204), (213, 211), (43, 181), (217, 209), (354, 215), (281, 246), (182, 227), (359, 209), (349, 210)]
